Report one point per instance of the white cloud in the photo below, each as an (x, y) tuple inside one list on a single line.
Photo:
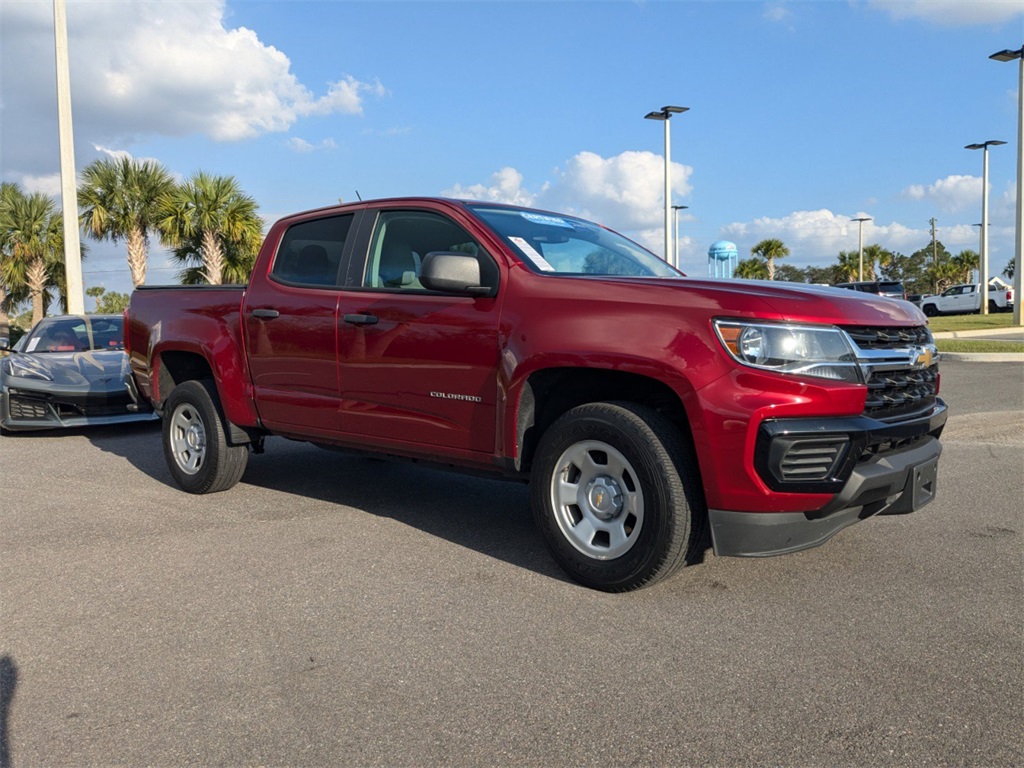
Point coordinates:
[(777, 12), (626, 192), (304, 147), (951, 194), (506, 186), (952, 13), (143, 68), (47, 185)]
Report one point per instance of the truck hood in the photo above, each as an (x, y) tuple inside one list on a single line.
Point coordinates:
[(799, 302)]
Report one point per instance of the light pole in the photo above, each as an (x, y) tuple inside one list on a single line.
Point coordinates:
[(665, 115), (983, 309), (675, 210), (860, 243), (68, 191), (1018, 249)]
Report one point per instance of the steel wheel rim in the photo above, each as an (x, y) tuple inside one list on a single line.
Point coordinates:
[(597, 500), (188, 439)]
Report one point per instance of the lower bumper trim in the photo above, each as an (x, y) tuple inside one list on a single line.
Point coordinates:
[(897, 483)]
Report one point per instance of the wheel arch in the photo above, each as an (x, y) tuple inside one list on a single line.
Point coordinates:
[(548, 393), (176, 366)]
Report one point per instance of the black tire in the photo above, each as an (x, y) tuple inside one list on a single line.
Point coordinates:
[(195, 443), (930, 310), (992, 307), (616, 493)]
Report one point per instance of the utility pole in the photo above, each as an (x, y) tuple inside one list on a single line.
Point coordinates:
[(68, 190), (935, 256)]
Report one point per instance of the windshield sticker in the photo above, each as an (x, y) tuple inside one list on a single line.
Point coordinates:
[(553, 221), (32, 344), (531, 253)]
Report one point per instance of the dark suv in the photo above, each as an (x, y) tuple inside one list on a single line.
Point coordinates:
[(891, 288)]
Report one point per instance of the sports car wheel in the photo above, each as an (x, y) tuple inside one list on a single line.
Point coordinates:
[(195, 443)]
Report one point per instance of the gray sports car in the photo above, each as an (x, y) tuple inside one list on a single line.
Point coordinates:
[(68, 371)]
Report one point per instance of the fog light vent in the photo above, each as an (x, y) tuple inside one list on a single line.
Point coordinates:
[(809, 459)]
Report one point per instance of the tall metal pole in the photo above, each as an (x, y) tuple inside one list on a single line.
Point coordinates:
[(983, 257), (860, 243), (668, 194), (1018, 249), (68, 191), (665, 114), (675, 210)]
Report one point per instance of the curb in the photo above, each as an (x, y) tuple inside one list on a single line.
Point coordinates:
[(983, 357), (1004, 331)]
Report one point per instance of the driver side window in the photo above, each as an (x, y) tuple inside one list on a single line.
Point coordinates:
[(401, 240)]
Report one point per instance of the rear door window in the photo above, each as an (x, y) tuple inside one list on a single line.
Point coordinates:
[(311, 252)]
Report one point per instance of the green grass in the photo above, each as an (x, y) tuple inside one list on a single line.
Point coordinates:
[(969, 345), (970, 322)]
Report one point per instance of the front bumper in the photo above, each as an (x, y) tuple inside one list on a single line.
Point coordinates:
[(883, 469), (32, 408)]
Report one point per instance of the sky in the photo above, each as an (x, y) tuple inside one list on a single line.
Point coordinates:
[(802, 115)]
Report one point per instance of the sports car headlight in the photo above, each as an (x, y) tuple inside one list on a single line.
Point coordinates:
[(806, 350), (12, 366)]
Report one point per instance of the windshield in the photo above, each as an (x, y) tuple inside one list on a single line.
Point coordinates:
[(76, 334), (564, 245)]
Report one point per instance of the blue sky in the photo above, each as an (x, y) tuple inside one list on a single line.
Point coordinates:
[(802, 114)]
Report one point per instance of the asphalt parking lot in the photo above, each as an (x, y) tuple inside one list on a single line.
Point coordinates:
[(332, 610)]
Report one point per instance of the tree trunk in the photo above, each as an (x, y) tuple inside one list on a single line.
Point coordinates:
[(771, 269), (137, 256), (5, 319), (213, 258), (36, 279)]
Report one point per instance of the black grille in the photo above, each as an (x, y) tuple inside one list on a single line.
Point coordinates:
[(888, 338), (809, 460), (24, 408), (893, 394)]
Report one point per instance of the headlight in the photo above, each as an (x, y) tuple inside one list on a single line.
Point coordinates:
[(12, 366), (806, 350)]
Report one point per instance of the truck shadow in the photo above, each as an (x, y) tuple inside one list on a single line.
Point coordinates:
[(482, 514)]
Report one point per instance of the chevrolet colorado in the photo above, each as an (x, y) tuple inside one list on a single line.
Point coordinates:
[(646, 409)]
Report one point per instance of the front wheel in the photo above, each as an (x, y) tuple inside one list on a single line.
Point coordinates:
[(616, 494), (195, 444)]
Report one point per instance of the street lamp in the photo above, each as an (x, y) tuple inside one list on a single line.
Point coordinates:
[(1018, 249), (665, 115), (860, 242), (676, 209), (983, 309)]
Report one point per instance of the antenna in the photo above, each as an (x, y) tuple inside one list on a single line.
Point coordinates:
[(359, 196)]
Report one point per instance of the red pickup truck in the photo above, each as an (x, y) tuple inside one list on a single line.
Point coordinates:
[(646, 409)]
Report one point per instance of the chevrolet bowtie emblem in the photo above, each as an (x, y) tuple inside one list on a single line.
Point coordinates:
[(923, 359)]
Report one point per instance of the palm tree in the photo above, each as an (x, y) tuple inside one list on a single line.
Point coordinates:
[(769, 250), (32, 239), (120, 198), (875, 254), (848, 266), (8, 192), (209, 212), (966, 262), (238, 263), (751, 269)]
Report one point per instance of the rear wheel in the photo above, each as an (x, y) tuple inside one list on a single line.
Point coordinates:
[(930, 310), (195, 443), (617, 496), (992, 307)]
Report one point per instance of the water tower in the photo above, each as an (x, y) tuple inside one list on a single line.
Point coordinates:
[(723, 257)]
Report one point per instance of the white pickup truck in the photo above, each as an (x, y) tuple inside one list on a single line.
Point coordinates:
[(966, 299)]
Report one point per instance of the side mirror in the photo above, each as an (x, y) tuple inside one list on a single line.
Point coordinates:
[(452, 273), (5, 343)]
